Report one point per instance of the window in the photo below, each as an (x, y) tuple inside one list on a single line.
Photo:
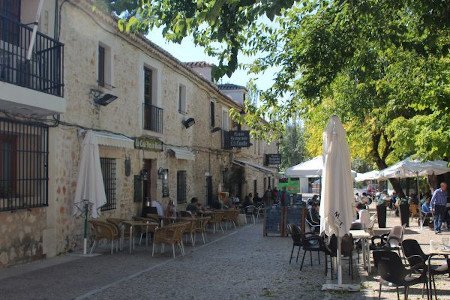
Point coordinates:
[(148, 86), (104, 66), (181, 187), (101, 65), (10, 16), (23, 165), (108, 166), (212, 111), (182, 99), (225, 120)]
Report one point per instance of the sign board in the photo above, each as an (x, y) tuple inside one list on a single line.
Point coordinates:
[(277, 218), (236, 139), (148, 143), (273, 159)]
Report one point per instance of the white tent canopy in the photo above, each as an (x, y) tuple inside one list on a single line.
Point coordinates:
[(412, 167), (310, 168), (372, 175)]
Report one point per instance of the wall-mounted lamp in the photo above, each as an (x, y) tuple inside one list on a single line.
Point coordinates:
[(215, 129), (100, 98), (189, 122), (144, 174), (162, 173)]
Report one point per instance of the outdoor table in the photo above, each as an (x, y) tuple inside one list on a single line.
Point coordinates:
[(435, 252), (364, 237), (133, 224)]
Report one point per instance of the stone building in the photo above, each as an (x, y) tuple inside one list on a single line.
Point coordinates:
[(160, 125)]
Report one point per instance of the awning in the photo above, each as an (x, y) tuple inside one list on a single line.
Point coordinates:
[(113, 140), (259, 168), (181, 153)]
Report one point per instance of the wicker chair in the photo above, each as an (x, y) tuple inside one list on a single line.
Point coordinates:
[(231, 216), (101, 230), (200, 226), (216, 219), (190, 230), (120, 229), (171, 234)]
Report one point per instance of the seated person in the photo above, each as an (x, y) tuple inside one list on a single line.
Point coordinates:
[(363, 215), (171, 210), (159, 208), (194, 207), (247, 201), (313, 217), (426, 211)]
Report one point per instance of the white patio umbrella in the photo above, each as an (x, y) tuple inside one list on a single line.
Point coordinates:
[(90, 188), (336, 214)]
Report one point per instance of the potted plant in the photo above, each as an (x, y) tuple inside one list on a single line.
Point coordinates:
[(381, 212)]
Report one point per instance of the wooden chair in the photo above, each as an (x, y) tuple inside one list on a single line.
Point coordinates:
[(101, 230), (171, 234)]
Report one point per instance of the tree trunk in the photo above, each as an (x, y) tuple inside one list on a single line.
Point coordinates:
[(381, 161)]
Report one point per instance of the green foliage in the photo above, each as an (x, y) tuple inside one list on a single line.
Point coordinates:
[(382, 66), (293, 146)]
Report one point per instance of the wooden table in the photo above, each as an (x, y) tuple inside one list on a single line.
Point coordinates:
[(133, 224), (364, 237)]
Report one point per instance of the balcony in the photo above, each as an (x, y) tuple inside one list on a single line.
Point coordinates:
[(153, 118), (41, 76)]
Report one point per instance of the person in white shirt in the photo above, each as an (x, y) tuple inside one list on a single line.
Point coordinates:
[(159, 208)]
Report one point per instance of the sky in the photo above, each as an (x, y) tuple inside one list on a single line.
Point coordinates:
[(188, 52)]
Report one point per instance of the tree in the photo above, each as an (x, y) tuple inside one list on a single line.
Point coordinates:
[(381, 65), (292, 146)]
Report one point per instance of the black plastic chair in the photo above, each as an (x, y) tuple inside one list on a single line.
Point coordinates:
[(311, 243), (388, 241), (415, 256), (347, 246), (296, 236), (392, 271)]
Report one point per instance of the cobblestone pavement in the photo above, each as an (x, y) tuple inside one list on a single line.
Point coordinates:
[(237, 264)]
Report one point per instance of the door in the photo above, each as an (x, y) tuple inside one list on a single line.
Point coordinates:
[(209, 190)]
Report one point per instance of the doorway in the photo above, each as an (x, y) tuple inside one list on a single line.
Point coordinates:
[(209, 190), (149, 184)]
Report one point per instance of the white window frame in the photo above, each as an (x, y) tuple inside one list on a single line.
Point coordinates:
[(225, 119), (109, 78)]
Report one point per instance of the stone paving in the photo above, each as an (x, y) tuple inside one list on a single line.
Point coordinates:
[(237, 264)]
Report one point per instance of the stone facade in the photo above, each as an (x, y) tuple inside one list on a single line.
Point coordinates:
[(49, 231)]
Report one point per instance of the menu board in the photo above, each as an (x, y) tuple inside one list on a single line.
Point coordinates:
[(273, 221), (295, 215), (239, 139)]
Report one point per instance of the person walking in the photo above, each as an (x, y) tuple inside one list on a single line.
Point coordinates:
[(438, 205)]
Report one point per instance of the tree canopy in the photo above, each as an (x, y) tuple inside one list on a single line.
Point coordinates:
[(382, 66)]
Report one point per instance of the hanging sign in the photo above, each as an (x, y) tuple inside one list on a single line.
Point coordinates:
[(273, 159), (147, 143)]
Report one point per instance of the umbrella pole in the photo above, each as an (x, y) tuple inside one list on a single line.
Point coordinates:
[(339, 261), (86, 209)]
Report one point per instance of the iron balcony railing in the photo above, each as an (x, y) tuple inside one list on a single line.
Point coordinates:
[(153, 118), (43, 72)]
